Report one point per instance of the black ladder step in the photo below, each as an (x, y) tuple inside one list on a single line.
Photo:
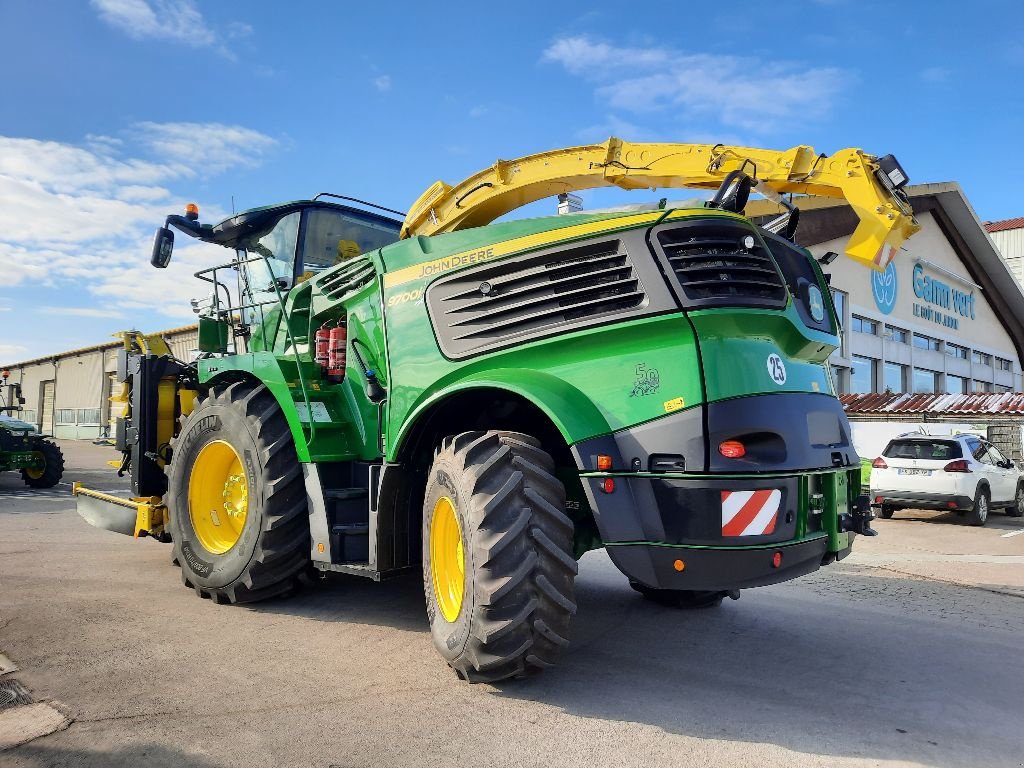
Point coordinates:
[(345, 494)]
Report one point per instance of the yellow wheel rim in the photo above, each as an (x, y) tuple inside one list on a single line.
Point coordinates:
[(447, 559), (35, 474), (218, 497)]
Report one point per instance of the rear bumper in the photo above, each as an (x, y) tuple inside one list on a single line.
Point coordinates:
[(921, 500), (718, 568)]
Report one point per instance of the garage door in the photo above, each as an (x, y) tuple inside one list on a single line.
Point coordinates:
[(46, 408)]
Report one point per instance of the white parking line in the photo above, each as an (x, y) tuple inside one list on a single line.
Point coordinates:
[(1012, 533)]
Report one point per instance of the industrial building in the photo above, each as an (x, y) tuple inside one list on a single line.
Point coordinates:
[(67, 394), (946, 316)]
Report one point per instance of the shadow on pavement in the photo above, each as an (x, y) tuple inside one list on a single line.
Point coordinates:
[(131, 756), (397, 602), (857, 683)]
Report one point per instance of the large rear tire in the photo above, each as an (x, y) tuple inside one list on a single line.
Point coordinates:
[(237, 501), (52, 469), (498, 568)]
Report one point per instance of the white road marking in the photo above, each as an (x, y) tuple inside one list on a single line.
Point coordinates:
[(1012, 533)]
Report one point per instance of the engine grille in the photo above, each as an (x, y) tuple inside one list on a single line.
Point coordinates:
[(526, 297), (353, 275), (715, 269)]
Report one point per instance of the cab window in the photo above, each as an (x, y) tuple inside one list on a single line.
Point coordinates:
[(330, 237), (273, 256)]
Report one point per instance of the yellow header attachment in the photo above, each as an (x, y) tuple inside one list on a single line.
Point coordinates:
[(886, 219)]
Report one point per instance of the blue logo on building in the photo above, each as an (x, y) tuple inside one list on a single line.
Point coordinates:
[(883, 288)]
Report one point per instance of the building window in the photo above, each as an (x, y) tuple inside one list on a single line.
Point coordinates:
[(64, 416), (956, 385), (980, 358), (862, 380), (926, 342), (955, 350), (837, 379), (926, 382), (1000, 389), (839, 300), (1003, 365), (895, 377), (863, 325), (982, 386), (899, 335)]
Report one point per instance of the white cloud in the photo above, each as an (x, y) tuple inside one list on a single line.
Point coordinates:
[(77, 220), (81, 311), (176, 20), (478, 111), (382, 83), (210, 147), (745, 92)]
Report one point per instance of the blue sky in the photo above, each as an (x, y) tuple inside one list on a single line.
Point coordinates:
[(114, 113)]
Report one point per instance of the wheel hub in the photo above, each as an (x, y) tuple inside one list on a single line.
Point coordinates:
[(447, 559), (218, 497)]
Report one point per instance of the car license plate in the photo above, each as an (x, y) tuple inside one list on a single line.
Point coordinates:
[(914, 472)]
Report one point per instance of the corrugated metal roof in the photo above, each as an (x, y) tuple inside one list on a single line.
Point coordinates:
[(974, 404), (1005, 224), (97, 347)]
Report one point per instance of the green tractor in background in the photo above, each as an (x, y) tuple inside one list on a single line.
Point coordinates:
[(485, 402), (40, 461)]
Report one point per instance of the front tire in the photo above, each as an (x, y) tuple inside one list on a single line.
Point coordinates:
[(52, 470), (498, 568), (982, 504), (237, 501)]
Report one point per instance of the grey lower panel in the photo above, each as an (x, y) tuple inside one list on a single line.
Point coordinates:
[(319, 528)]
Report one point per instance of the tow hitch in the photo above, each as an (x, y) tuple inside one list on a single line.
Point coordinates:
[(859, 519)]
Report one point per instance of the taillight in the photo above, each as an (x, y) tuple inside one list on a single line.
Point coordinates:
[(879, 463), (732, 449), (960, 465)]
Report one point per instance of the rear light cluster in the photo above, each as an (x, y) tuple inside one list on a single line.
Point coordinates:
[(732, 449), (960, 465), (879, 463)]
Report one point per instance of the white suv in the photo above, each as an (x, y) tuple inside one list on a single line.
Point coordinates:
[(964, 474)]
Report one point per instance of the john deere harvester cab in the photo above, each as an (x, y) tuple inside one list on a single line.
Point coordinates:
[(483, 403), (22, 447)]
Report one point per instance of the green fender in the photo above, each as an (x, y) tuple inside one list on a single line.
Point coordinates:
[(264, 368), (572, 412)]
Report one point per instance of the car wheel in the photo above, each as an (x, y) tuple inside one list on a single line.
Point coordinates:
[(979, 513), (886, 512), (1017, 510)]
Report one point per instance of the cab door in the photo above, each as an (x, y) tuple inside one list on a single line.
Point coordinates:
[(269, 273)]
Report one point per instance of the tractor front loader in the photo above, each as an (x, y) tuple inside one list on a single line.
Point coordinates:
[(484, 403)]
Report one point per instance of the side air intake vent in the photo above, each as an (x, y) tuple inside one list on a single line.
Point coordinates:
[(722, 265), (531, 296), (349, 277)]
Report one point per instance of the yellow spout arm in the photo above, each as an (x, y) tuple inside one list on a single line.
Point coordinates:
[(886, 219)]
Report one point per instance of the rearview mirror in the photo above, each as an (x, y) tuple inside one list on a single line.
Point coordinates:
[(163, 245)]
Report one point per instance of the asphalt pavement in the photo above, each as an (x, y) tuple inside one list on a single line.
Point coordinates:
[(906, 653)]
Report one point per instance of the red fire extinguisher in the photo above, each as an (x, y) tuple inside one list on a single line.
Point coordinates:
[(323, 340), (336, 352)]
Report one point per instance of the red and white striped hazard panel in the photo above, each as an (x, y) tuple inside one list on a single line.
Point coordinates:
[(750, 513)]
